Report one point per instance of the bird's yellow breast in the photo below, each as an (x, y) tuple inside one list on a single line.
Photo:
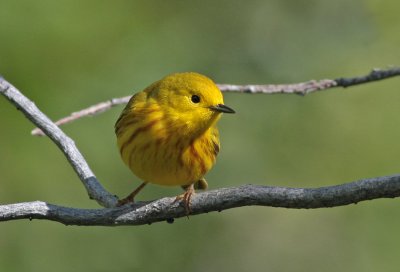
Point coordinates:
[(157, 152)]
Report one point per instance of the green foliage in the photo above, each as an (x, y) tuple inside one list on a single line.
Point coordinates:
[(66, 55)]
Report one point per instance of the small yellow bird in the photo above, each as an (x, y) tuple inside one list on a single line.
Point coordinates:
[(167, 133)]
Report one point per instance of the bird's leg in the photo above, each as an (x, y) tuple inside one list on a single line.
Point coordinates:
[(186, 197), (131, 196)]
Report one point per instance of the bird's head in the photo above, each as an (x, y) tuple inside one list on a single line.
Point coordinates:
[(191, 101)]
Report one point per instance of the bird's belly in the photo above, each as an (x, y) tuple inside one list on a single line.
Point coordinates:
[(169, 163)]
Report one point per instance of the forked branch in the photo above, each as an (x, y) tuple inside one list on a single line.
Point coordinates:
[(64, 143)]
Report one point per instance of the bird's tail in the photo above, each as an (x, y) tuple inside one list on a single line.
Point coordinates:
[(201, 184)]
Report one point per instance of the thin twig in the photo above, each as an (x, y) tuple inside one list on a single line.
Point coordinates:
[(166, 209), (92, 110), (312, 86), (302, 88), (66, 144)]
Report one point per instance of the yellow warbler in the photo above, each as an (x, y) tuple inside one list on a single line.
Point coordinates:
[(167, 133)]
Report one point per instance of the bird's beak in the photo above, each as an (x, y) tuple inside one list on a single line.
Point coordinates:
[(222, 108)]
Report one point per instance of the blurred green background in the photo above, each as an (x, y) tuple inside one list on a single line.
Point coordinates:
[(67, 55)]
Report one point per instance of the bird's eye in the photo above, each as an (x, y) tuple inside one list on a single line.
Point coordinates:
[(195, 98)]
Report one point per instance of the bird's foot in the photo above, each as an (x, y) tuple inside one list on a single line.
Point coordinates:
[(186, 197), (126, 200), (131, 196)]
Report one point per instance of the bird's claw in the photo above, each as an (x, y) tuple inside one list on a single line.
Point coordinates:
[(126, 200), (186, 198)]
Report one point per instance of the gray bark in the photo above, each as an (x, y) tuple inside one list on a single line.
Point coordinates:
[(166, 209)]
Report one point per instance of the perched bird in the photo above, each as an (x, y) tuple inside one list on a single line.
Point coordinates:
[(167, 133)]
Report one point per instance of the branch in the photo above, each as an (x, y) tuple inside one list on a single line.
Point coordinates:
[(64, 143), (166, 209), (302, 88), (312, 86)]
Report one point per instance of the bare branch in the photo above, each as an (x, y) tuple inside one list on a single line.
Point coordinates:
[(312, 86), (166, 209), (302, 88), (66, 144), (92, 110), (375, 75)]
